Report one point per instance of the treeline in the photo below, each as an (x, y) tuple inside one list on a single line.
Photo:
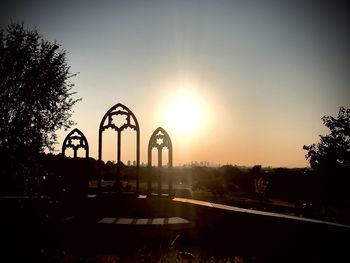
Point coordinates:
[(58, 176), (294, 185)]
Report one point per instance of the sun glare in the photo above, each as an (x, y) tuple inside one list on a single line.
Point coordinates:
[(184, 114)]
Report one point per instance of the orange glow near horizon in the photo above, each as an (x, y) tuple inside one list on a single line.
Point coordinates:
[(230, 81)]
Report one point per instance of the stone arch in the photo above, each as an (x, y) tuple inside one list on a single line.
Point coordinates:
[(128, 121), (160, 139), (71, 138)]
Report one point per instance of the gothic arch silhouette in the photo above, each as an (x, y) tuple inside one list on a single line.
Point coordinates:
[(126, 120), (71, 138), (160, 139)]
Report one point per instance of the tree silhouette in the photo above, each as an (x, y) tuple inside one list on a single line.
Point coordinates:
[(35, 96), (330, 158)]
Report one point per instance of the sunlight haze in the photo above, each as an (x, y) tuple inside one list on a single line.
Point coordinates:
[(231, 82)]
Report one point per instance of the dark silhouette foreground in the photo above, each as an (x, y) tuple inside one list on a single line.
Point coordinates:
[(37, 231)]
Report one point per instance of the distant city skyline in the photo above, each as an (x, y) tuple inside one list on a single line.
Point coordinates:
[(232, 82), (194, 163)]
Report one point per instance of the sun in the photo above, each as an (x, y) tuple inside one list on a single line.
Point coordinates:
[(184, 114)]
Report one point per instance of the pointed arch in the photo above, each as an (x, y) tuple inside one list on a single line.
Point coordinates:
[(160, 139), (71, 138), (127, 119)]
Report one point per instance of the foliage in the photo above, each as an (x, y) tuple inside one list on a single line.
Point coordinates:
[(35, 92), (330, 158), (294, 185), (35, 96), (260, 186), (65, 177), (333, 150)]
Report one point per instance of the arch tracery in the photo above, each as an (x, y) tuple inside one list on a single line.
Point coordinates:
[(75, 140), (160, 139), (119, 118)]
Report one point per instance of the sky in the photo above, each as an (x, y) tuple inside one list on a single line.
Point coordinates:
[(232, 82)]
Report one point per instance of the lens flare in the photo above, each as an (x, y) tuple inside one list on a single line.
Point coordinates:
[(184, 114)]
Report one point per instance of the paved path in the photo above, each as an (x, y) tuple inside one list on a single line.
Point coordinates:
[(144, 221)]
